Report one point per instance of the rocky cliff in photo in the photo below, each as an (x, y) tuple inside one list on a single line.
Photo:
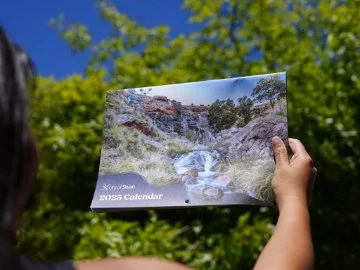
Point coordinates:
[(169, 142), (171, 116)]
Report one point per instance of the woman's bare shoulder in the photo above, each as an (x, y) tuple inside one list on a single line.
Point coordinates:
[(128, 263)]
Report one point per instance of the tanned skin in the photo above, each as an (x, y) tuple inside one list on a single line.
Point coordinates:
[(290, 246)]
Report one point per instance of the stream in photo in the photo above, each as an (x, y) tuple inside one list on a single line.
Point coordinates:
[(230, 166), (202, 181)]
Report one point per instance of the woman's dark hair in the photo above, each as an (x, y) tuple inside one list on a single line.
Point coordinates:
[(16, 70)]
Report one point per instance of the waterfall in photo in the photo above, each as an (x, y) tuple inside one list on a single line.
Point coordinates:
[(198, 173), (201, 180), (204, 131), (184, 124), (201, 161)]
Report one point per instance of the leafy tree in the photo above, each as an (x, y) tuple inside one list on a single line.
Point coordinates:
[(222, 114), (244, 108), (269, 88), (316, 42)]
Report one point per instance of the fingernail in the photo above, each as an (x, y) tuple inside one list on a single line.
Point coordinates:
[(276, 139)]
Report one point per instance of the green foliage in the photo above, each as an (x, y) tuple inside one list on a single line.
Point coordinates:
[(269, 88), (67, 117), (50, 232), (241, 248), (76, 34), (316, 42), (103, 238), (244, 109), (222, 114)]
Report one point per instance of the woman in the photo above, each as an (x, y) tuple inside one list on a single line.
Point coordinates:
[(289, 248)]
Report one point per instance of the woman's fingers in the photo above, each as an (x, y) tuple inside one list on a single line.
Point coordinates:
[(299, 152), (297, 147), (280, 152)]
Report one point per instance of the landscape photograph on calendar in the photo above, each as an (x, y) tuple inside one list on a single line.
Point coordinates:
[(211, 137)]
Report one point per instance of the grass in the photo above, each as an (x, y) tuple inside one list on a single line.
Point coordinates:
[(282, 113), (177, 146), (155, 172), (125, 140), (174, 149), (253, 178), (221, 166), (125, 150)]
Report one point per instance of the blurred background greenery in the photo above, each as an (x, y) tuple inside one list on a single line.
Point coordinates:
[(315, 41)]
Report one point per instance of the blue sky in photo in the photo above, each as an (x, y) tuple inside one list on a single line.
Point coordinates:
[(27, 23), (206, 92)]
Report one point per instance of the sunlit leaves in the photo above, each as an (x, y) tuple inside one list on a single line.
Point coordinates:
[(316, 42), (77, 35)]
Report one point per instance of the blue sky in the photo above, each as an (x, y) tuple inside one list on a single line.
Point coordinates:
[(207, 92), (27, 23)]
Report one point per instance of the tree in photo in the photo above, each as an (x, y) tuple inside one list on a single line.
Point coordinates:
[(269, 88), (244, 109), (222, 114)]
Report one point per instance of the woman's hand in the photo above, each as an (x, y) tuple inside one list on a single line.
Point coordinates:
[(290, 246), (293, 180)]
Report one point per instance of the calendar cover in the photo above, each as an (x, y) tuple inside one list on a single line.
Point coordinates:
[(191, 144)]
